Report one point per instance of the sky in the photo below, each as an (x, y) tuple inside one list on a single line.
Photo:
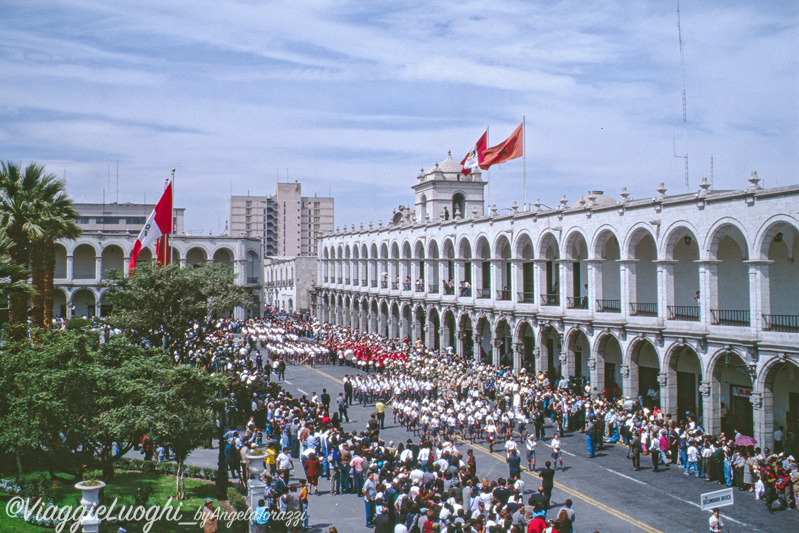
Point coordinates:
[(353, 98)]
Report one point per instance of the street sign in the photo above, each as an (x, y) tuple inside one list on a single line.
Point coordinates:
[(719, 498)]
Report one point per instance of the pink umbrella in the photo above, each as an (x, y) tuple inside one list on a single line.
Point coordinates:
[(745, 440)]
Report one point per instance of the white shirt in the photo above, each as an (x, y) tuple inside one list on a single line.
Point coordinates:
[(716, 523)]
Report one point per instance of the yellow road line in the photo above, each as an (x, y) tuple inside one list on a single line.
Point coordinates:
[(571, 492)]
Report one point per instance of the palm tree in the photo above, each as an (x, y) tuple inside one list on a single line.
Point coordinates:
[(9, 270), (34, 212)]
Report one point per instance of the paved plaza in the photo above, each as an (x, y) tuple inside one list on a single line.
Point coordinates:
[(607, 495)]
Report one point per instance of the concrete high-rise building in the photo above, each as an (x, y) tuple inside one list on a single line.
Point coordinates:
[(287, 223)]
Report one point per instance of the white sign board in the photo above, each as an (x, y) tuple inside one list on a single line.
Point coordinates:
[(720, 498)]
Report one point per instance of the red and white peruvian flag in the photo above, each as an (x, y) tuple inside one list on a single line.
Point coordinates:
[(159, 224), (475, 158)]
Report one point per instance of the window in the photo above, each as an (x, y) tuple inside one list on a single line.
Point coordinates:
[(108, 220), (136, 220)]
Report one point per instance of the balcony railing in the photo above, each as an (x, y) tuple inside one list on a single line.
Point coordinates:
[(526, 297), (346, 281), (433, 289), (395, 285), (576, 302), (782, 323), (483, 293), (643, 309), (550, 299), (608, 306), (364, 283), (374, 283), (420, 287), (448, 289), (503, 295), (339, 281), (684, 312), (384, 284), (252, 280), (325, 279), (730, 317), (466, 291)]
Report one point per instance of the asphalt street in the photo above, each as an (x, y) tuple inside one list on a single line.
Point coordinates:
[(608, 496)]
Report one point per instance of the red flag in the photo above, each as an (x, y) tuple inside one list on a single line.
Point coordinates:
[(474, 158), (159, 224), (510, 148)]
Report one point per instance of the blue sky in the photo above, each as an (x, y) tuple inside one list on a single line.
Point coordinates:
[(352, 98)]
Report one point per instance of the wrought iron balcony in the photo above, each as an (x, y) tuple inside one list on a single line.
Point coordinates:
[(503, 295), (730, 317), (576, 302), (550, 299), (684, 312), (782, 323), (643, 309), (483, 294), (526, 297), (608, 306), (433, 288)]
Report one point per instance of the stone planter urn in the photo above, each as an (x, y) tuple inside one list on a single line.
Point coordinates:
[(257, 465), (255, 487), (90, 499)]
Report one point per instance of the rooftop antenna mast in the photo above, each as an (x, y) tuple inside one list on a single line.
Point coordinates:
[(684, 112)]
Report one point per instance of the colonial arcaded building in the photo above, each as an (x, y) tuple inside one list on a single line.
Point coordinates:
[(692, 295)]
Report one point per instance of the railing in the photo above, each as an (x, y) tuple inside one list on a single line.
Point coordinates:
[(503, 295), (643, 309), (466, 291), (420, 287), (433, 289), (374, 283), (526, 297), (576, 302), (346, 281), (325, 279), (395, 285), (448, 289), (608, 306), (684, 312), (782, 323), (364, 283), (406, 286), (252, 279), (550, 299), (339, 281), (483, 293), (730, 317), (384, 284)]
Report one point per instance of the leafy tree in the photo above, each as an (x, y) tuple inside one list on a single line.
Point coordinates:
[(162, 305), (73, 398), (35, 211)]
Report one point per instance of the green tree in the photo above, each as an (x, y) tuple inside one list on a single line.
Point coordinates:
[(35, 211), (162, 305)]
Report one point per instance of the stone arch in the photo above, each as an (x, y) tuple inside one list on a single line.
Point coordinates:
[(224, 256), (503, 273), (466, 336), (84, 262), (524, 253), (433, 326), (575, 250), (578, 352), (395, 321), (682, 368), (448, 329), (777, 382), (729, 275), (778, 242), (525, 337), (60, 262), (550, 346), (60, 299), (606, 250), (483, 332), (503, 342), (549, 253), (113, 259), (608, 360), (642, 255), (84, 303), (196, 256), (458, 205), (730, 383), (642, 371)]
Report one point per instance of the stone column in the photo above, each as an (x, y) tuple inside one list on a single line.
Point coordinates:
[(459, 347), (759, 293), (594, 282), (596, 369), (763, 417), (476, 347), (497, 351), (628, 286), (566, 267), (518, 356), (711, 404), (70, 270), (708, 289), (668, 391), (540, 279), (98, 267), (665, 286)]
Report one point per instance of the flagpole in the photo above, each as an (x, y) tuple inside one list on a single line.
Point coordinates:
[(524, 154), (172, 219), (487, 209)]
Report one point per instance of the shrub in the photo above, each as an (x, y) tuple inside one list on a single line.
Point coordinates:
[(236, 500), (78, 324)]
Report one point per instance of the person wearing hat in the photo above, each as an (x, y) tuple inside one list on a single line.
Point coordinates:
[(716, 523), (209, 521)]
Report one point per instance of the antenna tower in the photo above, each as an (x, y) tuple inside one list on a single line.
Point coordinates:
[(684, 112), (711, 171)]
